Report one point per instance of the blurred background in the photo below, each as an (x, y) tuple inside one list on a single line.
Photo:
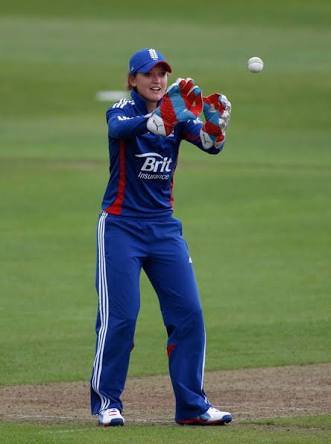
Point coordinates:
[(257, 217)]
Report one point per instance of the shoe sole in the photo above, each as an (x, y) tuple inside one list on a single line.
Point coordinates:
[(113, 423), (195, 421)]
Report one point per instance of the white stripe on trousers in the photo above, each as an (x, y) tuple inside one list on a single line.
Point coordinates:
[(103, 312), (204, 361)]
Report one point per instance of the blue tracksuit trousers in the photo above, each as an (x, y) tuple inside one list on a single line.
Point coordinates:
[(125, 246)]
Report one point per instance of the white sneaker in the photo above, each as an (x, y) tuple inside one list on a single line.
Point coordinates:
[(111, 417), (211, 417)]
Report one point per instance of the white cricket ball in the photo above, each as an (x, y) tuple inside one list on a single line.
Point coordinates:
[(255, 64)]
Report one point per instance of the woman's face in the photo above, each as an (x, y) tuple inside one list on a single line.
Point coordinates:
[(151, 85)]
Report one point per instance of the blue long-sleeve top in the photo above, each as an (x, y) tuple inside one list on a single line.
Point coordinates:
[(142, 164)]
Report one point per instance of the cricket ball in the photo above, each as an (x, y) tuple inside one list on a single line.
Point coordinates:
[(255, 64)]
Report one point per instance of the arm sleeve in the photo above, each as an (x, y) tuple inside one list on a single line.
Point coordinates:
[(191, 133), (121, 126)]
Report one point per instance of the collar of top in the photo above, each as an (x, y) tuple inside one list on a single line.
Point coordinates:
[(139, 102), (145, 59)]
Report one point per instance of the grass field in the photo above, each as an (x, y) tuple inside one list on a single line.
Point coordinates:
[(257, 217), (284, 431)]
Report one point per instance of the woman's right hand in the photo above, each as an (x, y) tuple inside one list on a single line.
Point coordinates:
[(182, 102)]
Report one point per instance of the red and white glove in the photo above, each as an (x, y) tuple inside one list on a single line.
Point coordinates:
[(182, 102), (217, 112)]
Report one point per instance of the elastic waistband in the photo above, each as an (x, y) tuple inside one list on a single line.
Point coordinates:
[(139, 217)]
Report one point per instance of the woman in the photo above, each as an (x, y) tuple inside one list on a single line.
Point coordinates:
[(136, 231)]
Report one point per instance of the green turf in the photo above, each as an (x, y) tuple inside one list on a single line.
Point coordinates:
[(292, 431), (211, 11), (257, 218)]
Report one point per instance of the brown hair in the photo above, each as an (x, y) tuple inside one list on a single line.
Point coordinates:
[(129, 87)]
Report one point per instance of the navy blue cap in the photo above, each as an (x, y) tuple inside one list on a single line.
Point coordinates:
[(145, 59)]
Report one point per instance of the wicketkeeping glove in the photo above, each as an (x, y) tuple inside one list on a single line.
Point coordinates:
[(182, 102), (217, 112)]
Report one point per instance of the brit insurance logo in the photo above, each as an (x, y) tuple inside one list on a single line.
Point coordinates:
[(155, 166)]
